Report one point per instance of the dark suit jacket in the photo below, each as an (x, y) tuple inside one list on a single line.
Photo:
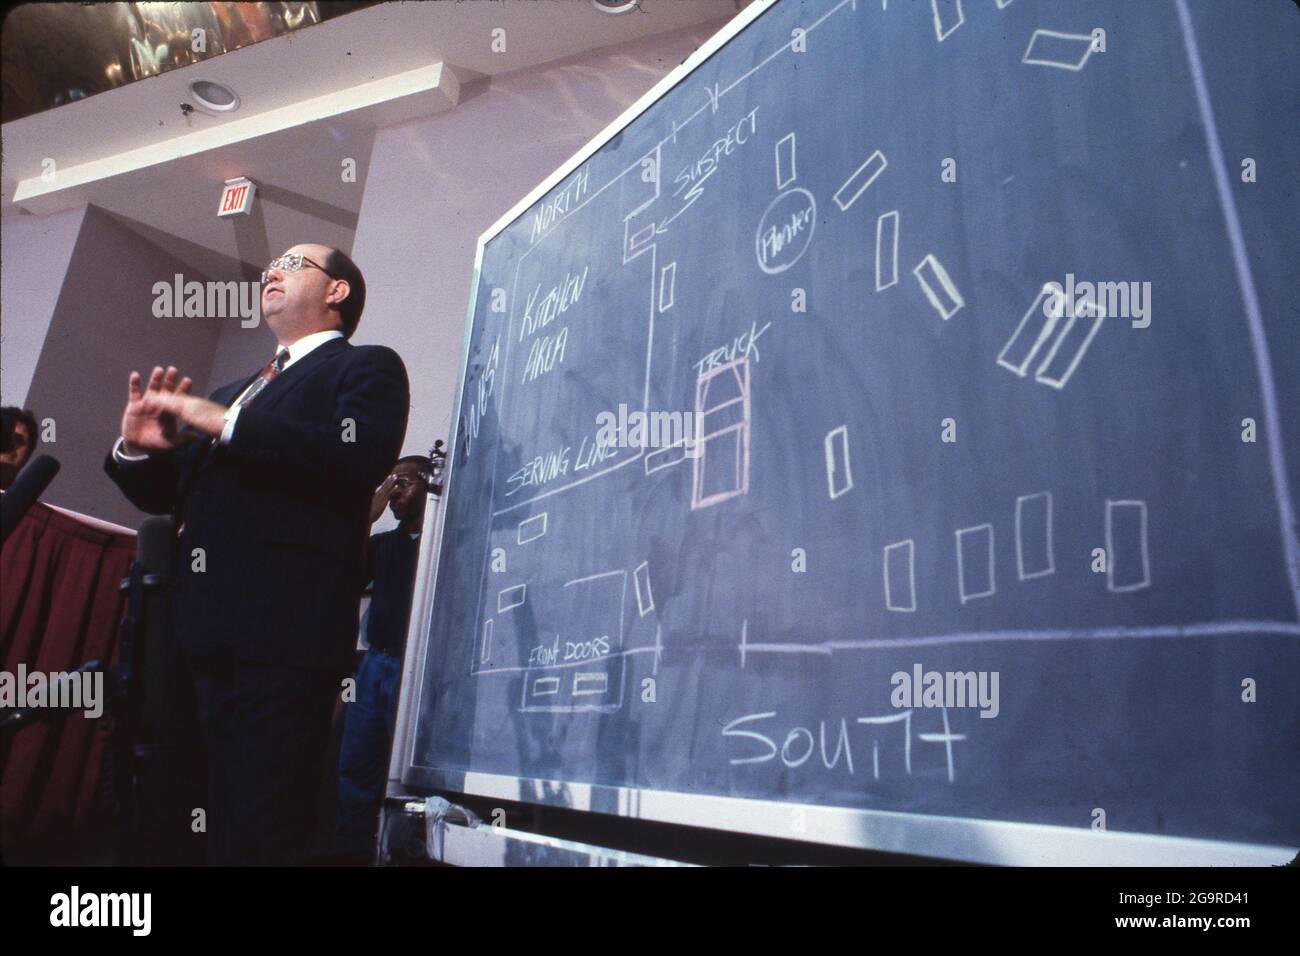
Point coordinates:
[(282, 512)]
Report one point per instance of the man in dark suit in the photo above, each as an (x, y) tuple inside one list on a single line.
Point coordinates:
[(270, 482)]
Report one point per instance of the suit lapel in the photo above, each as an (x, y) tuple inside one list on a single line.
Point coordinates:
[(273, 393), (225, 395)]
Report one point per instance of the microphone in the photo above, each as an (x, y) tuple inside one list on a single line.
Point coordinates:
[(153, 544), (27, 487)]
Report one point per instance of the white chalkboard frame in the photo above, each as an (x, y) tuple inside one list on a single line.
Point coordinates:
[(997, 842)]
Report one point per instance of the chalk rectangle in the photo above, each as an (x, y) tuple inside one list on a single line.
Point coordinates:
[(645, 600), (1071, 343), (839, 471), (785, 171), (486, 653), (861, 178), (948, 16), (900, 576), (545, 686), (662, 458), (721, 417), (530, 529), (728, 473), (1034, 557), (938, 287), (641, 236), (586, 684), (1031, 334), (886, 250), (721, 384), (1066, 51), (975, 575), (592, 612), (511, 597), (1128, 564), (667, 283), (726, 456)]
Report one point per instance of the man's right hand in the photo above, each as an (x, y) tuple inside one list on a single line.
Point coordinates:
[(380, 501), (145, 426)]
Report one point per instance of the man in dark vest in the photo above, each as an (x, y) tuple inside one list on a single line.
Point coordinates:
[(391, 559)]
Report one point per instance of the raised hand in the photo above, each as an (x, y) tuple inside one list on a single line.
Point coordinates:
[(380, 501), (147, 425)]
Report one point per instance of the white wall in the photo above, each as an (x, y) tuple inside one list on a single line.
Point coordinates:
[(34, 255), (103, 328)]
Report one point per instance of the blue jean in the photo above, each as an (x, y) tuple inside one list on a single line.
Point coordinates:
[(363, 756)]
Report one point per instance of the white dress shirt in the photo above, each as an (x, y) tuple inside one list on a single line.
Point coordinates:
[(297, 351)]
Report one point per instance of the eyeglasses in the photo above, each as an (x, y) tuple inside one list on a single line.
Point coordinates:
[(292, 262), (406, 482)]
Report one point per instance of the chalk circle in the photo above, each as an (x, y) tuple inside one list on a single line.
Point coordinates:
[(780, 218)]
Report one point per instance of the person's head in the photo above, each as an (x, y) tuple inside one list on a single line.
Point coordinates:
[(312, 288), (408, 497), (19, 440)]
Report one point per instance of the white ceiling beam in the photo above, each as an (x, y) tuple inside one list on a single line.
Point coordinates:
[(423, 91)]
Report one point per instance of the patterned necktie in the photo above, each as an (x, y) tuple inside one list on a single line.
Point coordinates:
[(265, 377)]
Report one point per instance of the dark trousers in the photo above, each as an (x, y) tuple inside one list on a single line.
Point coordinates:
[(363, 757), (266, 728)]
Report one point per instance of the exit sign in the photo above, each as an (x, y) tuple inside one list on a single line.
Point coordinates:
[(237, 197)]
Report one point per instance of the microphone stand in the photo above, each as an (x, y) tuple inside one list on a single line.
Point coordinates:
[(130, 754), (133, 753)]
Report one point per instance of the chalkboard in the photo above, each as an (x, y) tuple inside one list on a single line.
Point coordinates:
[(964, 344)]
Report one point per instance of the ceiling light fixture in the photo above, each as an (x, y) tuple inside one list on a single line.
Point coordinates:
[(214, 96), (615, 6)]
